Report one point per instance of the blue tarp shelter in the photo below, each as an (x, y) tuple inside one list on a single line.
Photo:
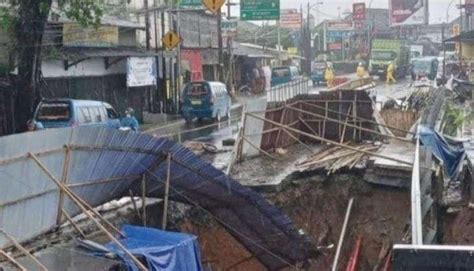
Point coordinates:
[(451, 155), (161, 250)]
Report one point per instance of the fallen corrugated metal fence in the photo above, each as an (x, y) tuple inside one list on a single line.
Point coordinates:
[(96, 165)]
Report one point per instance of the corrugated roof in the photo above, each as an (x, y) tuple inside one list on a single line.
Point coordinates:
[(104, 164), (467, 36), (76, 53), (108, 20)]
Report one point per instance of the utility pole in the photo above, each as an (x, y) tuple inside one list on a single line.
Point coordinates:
[(279, 42), (444, 51), (230, 50), (221, 46), (147, 25), (164, 85)]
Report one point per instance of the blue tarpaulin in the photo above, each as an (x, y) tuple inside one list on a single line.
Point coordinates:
[(161, 250), (451, 155)]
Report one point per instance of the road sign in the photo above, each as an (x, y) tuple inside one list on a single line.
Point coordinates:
[(229, 28), (213, 5), (190, 3), (171, 40), (290, 19), (251, 10)]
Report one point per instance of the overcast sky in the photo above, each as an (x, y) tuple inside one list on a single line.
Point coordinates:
[(329, 8)]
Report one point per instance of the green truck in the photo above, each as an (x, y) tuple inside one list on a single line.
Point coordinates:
[(385, 51)]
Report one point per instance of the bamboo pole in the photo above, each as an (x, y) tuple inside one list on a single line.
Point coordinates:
[(134, 203), (64, 177), (76, 200), (144, 199), (350, 125), (333, 142), (23, 249), (164, 220), (297, 140), (345, 125), (12, 260), (71, 221), (257, 148), (357, 118), (343, 233)]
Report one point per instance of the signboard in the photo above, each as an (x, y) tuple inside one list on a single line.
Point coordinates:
[(338, 34), (229, 28), (171, 40), (346, 25), (292, 51), (261, 10), (190, 3), (141, 71), (103, 36), (358, 11), (335, 46), (412, 12), (290, 19), (213, 5)]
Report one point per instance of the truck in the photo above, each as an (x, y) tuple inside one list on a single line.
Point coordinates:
[(385, 51), (416, 51)]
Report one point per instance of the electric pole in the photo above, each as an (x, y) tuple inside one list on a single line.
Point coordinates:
[(147, 25), (221, 46)]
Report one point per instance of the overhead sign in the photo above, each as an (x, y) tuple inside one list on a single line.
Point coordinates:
[(403, 12), (141, 71), (290, 19), (171, 40), (346, 25), (190, 3), (292, 50), (261, 10), (358, 11), (76, 35), (229, 28), (213, 5)]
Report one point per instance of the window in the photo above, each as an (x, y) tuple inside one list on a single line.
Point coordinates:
[(111, 113), (95, 113), (85, 116), (281, 72), (197, 90), (54, 111)]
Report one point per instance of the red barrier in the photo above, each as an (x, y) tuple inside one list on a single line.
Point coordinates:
[(354, 259)]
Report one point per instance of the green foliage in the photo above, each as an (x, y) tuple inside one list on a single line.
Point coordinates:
[(453, 119), (6, 19), (86, 12)]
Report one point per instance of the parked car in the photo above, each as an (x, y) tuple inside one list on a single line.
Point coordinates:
[(59, 113), (205, 100), (317, 72), (284, 74)]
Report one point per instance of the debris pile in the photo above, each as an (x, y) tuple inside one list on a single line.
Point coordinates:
[(336, 158)]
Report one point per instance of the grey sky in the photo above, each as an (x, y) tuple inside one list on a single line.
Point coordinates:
[(329, 8)]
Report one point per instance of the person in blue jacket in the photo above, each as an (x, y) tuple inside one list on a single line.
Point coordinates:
[(129, 121)]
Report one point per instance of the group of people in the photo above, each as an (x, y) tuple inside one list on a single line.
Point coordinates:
[(329, 74)]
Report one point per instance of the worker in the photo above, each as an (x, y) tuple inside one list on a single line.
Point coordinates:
[(33, 125), (329, 75), (390, 72), (129, 122), (360, 71)]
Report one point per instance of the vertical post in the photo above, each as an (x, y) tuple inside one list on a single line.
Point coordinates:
[(279, 42), (221, 46), (460, 26), (178, 65), (147, 25), (164, 220), (144, 199), (163, 66), (343, 233), (444, 51), (157, 64)]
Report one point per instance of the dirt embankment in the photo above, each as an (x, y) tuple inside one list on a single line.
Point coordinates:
[(379, 215), (459, 228)]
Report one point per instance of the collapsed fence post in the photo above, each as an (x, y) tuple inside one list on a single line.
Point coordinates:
[(77, 201), (12, 260), (74, 225), (330, 141), (343, 233), (164, 220), (22, 249)]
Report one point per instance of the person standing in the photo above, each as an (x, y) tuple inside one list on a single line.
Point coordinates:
[(390, 73), (129, 121), (360, 71), (329, 75)]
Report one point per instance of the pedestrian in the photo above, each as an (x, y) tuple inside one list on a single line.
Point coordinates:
[(129, 121), (329, 75), (390, 72), (360, 71)]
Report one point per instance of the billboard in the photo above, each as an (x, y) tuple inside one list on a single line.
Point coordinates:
[(340, 25), (76, 35), (261, 10), (358, 11), (290, 19), (141, 71), (408, 12)]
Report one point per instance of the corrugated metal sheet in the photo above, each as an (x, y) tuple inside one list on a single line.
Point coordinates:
[(105, 163)]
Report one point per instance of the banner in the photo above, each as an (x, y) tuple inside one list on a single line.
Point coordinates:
[(358, 11), (141, 71), (290, 19), (408, 12), (343, 25), (103, 36)]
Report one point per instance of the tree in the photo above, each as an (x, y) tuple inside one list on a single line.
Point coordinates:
[(29, 18)]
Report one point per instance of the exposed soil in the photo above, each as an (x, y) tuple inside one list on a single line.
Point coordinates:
[(459, 228), (317, 205)]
